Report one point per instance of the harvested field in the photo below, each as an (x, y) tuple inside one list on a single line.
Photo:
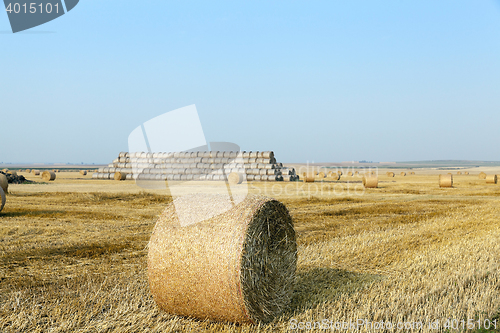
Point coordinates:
[(74, 254)]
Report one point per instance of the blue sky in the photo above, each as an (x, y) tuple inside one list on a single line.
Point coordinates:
[(319, 81)]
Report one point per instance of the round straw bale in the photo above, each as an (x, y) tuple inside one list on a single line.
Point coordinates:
[(237, 266), (466, 172), (491, 179), (4, 183), (339, 173), (309, 178), (446, 180), (83, 172), (250, 177), (48, 175), (36, 172), (12, 172), (257, 177), (370, 181), (482, 175), (459, 173), (120, 176), (403, 173), (254, 154), (321, 175), (390, 174), (356, 173), (412, 173), (94, 175), (350, 173), (28, 171), (2, 198), (235, 178)]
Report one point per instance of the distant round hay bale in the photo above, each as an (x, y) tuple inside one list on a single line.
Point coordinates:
[(390, 174), (35, 172), (403, 173), (2, 198), (238, 266), (94, 175), (339, 173), (370, 181), (466, 172), (120, 176), (5, 170), (309, 177), (459, 173), (412, 173), (12, 172), (482, 175), (235, 178), (491, 179), (4, 183), (83, 172), (356, 173), (350, 173), (446, 180), (48, 175), (321, 175), (28, 171)]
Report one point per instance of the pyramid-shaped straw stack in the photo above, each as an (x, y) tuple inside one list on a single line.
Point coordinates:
[(199, 165)]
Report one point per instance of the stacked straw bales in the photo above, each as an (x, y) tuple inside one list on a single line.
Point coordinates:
[(446, 180), (2, 198), (201, 165), (370, 181), (491, 179), (482, 175), (48, 175), (4, 183), (238, 266)]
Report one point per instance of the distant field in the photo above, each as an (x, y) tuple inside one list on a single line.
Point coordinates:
[(73, 254)]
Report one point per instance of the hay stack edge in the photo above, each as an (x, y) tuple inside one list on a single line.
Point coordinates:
[(238, 266), (2, 199)]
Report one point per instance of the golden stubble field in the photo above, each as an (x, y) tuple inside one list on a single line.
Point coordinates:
[(73, 255)]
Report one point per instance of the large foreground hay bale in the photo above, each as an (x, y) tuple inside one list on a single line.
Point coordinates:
[(491, 179), (370, 181), (482, 175), (48, 175), (4, 183), (3, 199), (237, 266), (235, 178), (446, 180)]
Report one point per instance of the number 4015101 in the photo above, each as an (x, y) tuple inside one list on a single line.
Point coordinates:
[(33, 8)]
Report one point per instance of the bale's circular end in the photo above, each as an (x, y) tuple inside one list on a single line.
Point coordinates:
[(236, 266), (235, 178), (2, 199), (48, 175), (83, 172), (309, 178)]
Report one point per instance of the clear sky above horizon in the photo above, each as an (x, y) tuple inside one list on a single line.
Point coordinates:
[(322, 81)]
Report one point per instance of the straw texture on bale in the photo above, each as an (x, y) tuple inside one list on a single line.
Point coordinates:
[(4, 183), (120, 176), (491, 179), (235, 178), (482, 175), (309, 178), (370, 181), (403, 174), (83, 172), (446, 180), (48, 175), (36, 172), (3, 199), (237, 266)]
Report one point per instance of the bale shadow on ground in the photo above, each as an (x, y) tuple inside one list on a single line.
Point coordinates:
[(319, 285)]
